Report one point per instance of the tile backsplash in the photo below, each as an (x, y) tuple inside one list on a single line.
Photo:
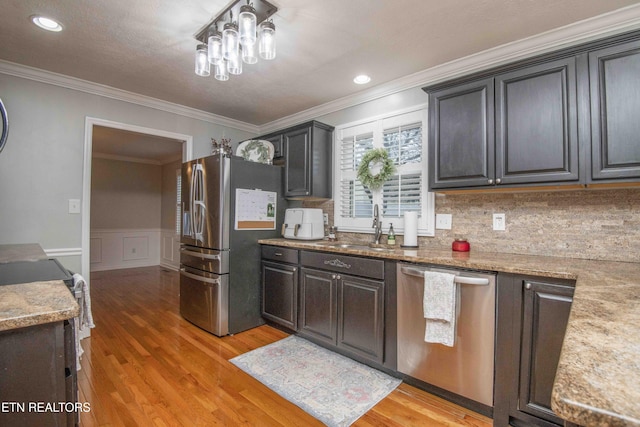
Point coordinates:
[(603, 224)]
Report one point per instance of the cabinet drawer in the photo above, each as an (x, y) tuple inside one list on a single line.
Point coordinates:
[(365, 267), (276, 253)]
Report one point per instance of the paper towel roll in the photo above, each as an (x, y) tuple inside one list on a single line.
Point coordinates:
[(411, 228)]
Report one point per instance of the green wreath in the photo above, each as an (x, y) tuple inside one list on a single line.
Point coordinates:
[(378, 155)]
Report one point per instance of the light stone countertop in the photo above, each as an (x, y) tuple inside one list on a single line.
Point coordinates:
[(598, 378), (29, 304)]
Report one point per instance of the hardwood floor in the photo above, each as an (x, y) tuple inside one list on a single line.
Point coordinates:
[(144, 365)]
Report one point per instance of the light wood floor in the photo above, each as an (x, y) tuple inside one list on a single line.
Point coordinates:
[(146, 366)]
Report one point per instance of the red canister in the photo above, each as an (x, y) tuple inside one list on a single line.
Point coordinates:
[(460, 245)]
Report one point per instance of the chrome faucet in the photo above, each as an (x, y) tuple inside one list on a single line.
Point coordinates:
[(377, 225)]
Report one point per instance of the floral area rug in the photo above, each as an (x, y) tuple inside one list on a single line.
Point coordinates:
[(333, 388)]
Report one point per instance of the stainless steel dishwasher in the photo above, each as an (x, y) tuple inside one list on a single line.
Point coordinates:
[(465, 369)]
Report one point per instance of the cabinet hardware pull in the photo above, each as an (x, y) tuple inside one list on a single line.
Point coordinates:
[(498, 181), (338, 277), (278, 253), (337, 263), (490, 181), (527, 285), (333, 276)]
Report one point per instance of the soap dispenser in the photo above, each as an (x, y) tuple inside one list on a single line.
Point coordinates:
[(391, 236)]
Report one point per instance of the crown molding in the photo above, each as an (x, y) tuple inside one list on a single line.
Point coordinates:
[(42, 76), (609, 24)]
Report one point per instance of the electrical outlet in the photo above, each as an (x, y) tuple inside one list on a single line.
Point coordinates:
[(326, 218), (499, 222), (443, 221)]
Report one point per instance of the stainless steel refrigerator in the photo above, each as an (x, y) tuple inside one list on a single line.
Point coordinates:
[(220, 287)]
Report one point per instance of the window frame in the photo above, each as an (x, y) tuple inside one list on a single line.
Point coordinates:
[(377, 125)]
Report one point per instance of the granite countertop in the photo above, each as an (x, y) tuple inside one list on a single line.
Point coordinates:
[(598, 376), (29, 304)]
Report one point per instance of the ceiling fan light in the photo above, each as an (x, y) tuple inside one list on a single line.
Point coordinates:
[(267, 40), (247, 25), (214, 43), (221, 72), (230, 40), (202, 61)]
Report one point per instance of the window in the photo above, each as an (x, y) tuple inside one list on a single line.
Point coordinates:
[(178, 200), (401, 135)]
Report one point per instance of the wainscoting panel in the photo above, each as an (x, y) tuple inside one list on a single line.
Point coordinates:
[(170, 250), (126, 248)]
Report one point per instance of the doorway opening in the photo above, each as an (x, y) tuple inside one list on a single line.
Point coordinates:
[(109, 143)]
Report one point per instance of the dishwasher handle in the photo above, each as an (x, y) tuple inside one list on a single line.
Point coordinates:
[(462, 280)]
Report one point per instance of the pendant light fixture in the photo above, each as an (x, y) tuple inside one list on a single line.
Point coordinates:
[(267, 41), (221, 72), (202, 61), (235, 63), (247, 25), (240, 42), (230, 40), (214, 45)]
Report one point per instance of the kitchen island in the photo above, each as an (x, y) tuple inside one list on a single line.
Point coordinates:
[(599, 370), (37, 345)]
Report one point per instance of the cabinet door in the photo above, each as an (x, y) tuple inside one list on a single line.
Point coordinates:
[(614, 77), (537, 125), (297, 145), (318, 311), (280, 294), (461, 136), (361, 316), (544, 320), (278, 149)]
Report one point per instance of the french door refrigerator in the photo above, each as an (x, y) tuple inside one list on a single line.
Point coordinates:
[(219, 259)]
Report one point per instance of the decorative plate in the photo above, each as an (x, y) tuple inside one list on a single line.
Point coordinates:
[(256, 150)]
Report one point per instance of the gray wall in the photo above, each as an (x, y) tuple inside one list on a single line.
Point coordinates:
[(41, 165), (125, 195)]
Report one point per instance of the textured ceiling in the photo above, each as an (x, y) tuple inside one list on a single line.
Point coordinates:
[(147, 46)]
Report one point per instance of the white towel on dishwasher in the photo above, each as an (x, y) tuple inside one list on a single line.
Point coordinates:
[(439, 305), (85, 319)]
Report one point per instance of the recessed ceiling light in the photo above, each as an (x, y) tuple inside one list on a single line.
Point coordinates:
[(46, 23), (362, 79)]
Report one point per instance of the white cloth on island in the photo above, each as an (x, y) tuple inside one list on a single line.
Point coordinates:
[(439, 306), (85, 319)]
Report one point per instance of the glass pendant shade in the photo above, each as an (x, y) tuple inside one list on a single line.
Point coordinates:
[(230, 41), (267, 40), (221, 71), (202, 61), (214, 44), (247, 25), (250, 53), (235, 64)]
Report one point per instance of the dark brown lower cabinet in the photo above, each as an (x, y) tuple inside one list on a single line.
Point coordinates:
[(532, 317), (344, 311), (38, 385), (280, 294)]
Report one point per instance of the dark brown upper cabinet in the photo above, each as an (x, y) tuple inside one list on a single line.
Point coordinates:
[(517, 128), (614, 83), (566, 118)]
